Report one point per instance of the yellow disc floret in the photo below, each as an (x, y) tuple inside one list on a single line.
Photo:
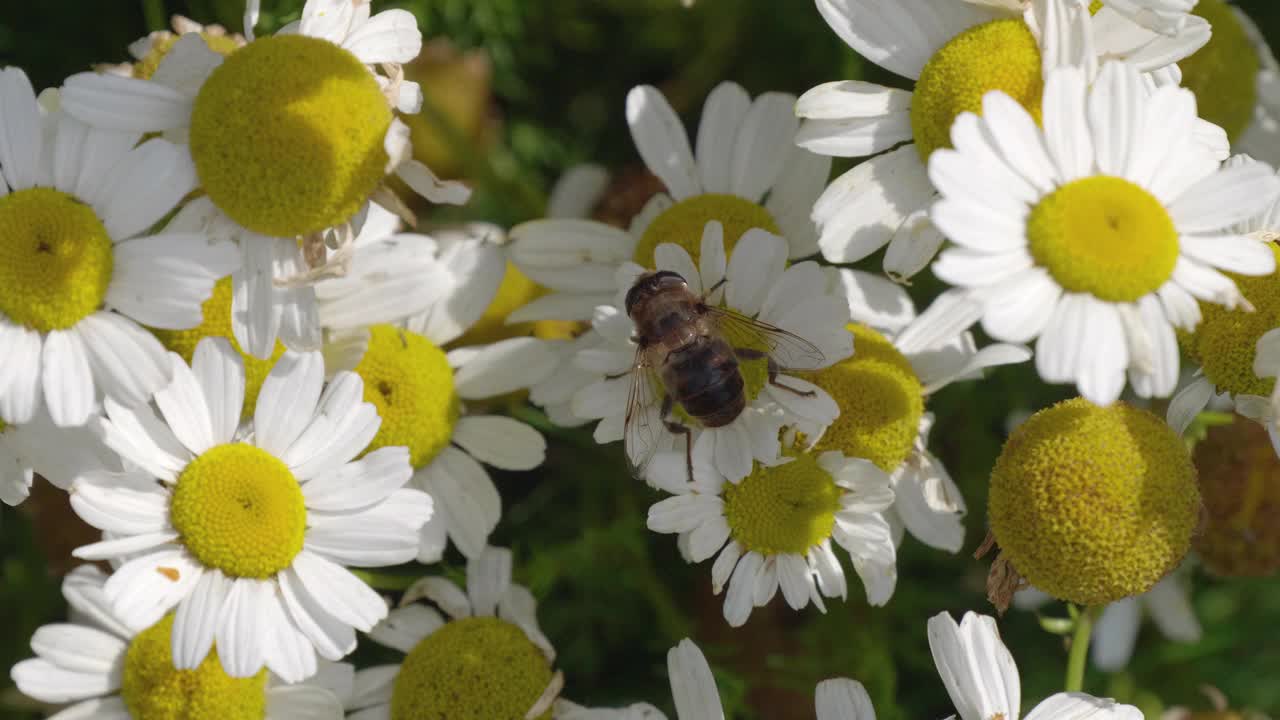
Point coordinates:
[(146, 67), (238, 508), (55, 259), (1223, 74), (152, 689), (1104, 236), (881, 402), (784, 509), (998, 55), (287, 135), (409, 380), (215, 321), (682, 224), (1094, 504), (1238, 479), (476, 668), (1226, 341)]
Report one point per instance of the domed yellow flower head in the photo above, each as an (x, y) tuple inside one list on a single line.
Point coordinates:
[(1226, 341), (1093, 504), (473, 668), (1223, 74), (1238, 472), (682, 224)]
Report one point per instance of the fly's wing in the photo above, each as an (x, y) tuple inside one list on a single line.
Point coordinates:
[(643, 429), (788, 350)]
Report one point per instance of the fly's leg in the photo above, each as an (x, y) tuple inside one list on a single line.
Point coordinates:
[(751, 354), (719, 284), (678, 428)]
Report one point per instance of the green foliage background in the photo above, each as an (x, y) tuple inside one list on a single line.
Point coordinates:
[(613, 596)]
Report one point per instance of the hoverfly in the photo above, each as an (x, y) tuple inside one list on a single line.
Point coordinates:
[(692, 349)]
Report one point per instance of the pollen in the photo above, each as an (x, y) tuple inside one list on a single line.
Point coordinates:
[(1238, 472), (216, 322), (152, 689), (1094, 504), (788, 508), (146, 67), (475, 668), (287, 135), (1226, 341), (409, 380), (1104, 236), (1223, 74), (682, 224), (881, 402), (56, 259), (998, 55), (239, 509)]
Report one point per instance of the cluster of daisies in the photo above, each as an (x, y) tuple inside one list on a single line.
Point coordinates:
[(221, 336)]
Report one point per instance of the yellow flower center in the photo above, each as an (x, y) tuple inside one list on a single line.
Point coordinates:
[(146, 67), (287, 135), (1223, 74), (1095, 6), (1094, 504), (784, 509), (516, 291), (216, 322), (1104, 236), (682, 224), (153, 689), (1226, 341), (1238, 470), (409, 379), (881, 401), (998, 55), (55, 259), (239, 509), (476, 668)]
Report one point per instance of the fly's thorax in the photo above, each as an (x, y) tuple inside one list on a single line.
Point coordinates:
[(669, 317)]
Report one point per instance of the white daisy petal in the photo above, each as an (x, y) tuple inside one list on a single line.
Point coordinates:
[(78, 648), (1079, 706), (360, 484), (900, 37), (183, 404), (332, 638), (20, 142), (125, 104), (121, 510), (976, 668), (145, 588), (722, 115), (762, 145), (660, 139), (501, 442), (45, 681), (504, 367), (842, 699), (693, 688), (391, 36), (20, 377), (162, 280), (862, 209), (198, 618), (288, 400), (241, 628), (740, 598), (341, 594), (1169, 604), (1225, 198), (67, 380), (219, 369), (146, 184), (128, 363), (466, 497)]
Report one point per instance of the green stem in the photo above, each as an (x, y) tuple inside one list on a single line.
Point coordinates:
[(1079, 653), (154, 14)]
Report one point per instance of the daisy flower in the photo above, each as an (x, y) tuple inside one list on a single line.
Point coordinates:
[(59, 455), (753, 281), (477, 653), (955, 53), (422, 391), (291, 136), (696, 697), (79, 269), (1097, 234), (883, 390), (746, 175), (774, 529), (982, 679), (109, 668), (249, 529), (1225, 341), (1168, 604), (147, 52)]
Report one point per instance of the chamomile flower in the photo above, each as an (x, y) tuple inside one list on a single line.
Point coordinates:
[(106, 667), (250, 529), (696, 697), (478, 653), (1097, 234), (882, 391), (79, 269), (291, 136), (757, 284), (1168, 604), (59, 455), (147, 52), (422, 391), (746, 175), (774, 529), (982, 679), (1225, 341), (955, 52)]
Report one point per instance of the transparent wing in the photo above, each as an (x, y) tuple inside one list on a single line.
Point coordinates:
[(643, 428), (788, 350)]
